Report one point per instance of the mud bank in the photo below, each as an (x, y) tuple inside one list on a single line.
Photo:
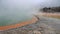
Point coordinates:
[(50, 15)]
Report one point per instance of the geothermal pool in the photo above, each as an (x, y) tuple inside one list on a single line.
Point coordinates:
[(11, 19), (12, 15), (17, 11), (12, 12)]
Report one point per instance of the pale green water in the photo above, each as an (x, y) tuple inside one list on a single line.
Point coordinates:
[(13, 20), (11, 16), (12, 12)]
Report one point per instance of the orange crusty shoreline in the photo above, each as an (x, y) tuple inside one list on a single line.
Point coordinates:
[(34, 19)]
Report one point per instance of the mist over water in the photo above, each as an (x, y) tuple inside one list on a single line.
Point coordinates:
[(14, 11)]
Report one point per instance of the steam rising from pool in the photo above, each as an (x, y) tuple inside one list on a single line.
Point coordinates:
[(14, 11)]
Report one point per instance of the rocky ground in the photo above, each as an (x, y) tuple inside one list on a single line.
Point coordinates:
[(43, 26)]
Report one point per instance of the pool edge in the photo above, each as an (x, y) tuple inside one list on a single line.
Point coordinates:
[(33, 20)]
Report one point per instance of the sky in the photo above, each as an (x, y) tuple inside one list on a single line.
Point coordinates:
[(28, 3), (29, 6)]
